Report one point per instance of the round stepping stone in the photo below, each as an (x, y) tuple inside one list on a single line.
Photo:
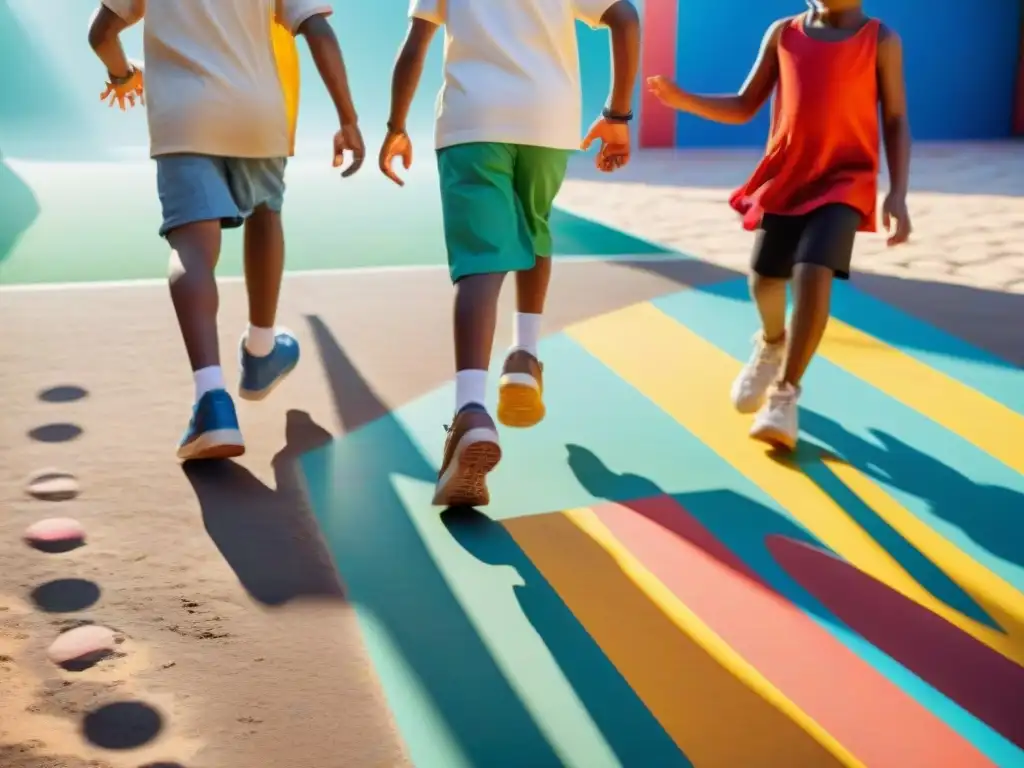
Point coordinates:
[(52, 485), (65, 393), (82, 647), (55, 534)]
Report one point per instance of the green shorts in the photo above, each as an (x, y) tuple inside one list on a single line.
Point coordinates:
[(496, 200)]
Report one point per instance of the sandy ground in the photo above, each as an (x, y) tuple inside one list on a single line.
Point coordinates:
[(967, 206), (237, 647)]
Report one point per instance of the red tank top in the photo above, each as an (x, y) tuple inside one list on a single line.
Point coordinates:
[(824, 142)]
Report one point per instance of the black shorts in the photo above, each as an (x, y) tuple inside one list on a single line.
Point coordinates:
[(823, 237)]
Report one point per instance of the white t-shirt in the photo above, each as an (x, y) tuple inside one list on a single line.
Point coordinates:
[(212, 81), (511, 69)]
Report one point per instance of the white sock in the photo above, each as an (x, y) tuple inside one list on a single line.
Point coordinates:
[(259, 342), (526, 332), (209, 379), (470, 387)]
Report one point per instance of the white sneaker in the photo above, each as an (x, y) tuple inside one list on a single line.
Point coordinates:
[(757, 375), (777, 423)]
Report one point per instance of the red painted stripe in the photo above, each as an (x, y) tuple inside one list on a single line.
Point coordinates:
[(866, 712), (985, 683), (658, 57)]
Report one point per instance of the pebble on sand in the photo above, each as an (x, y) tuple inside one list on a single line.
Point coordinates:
[(52, 485), (55, 534), (81, 647)]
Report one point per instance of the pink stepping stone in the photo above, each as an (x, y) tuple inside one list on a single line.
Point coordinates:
[(55, 534), (82, 647), (52, 485)]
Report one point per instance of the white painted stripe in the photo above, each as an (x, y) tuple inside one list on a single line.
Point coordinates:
[(336, 272)]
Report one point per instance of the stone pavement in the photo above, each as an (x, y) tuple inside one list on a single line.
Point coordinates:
[(967, 205)]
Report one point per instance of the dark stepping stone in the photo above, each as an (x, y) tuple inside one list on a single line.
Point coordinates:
[(65, 595), (66, 393), (122, 725), (55, 433)]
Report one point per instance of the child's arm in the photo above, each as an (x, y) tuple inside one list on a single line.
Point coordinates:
[(612, 128), (326, 53), (732, 109), (427, 16), (896, 130), (111, 19), (408, 70), (309, 19)]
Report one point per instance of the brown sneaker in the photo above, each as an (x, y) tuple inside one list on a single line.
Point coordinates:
[(521, 390), (471, 451)]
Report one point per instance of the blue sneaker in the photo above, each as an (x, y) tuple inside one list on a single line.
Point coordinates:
[(259, 376), (213, 432)]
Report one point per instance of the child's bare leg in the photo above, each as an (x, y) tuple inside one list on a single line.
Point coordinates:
[(195, 249), (268, 354), (812, 295), (475, 321), (264, 265), (769, 295)]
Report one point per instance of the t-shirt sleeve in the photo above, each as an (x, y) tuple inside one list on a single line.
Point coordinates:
[(591, 11), (433, 11), (292, 13), (129, 11)]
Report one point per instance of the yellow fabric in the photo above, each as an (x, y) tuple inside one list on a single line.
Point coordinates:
[(287, 55)]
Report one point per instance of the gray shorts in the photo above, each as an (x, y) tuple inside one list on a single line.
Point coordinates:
[(204, 188)]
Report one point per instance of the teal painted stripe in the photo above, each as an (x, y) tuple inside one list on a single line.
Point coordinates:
[(628, 448), (978, 369), (482, 665), (958, 489), (833, 396)]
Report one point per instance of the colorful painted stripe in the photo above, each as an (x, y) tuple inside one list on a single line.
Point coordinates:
[(658, 57)]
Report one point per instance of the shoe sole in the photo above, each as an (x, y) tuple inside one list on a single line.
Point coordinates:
[(215, 444), (776, 438), (255, 395), (520, 402), (464, 483)]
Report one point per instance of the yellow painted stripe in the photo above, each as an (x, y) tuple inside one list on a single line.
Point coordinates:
[(693, 682), (1000, 599), (977, 418), (691, 384)]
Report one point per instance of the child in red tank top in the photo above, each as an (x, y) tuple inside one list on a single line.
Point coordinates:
[(816, 187)]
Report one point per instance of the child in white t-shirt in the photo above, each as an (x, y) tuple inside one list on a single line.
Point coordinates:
[(221, 81)]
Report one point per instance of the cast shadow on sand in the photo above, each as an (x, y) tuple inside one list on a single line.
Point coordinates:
[(268, 536)]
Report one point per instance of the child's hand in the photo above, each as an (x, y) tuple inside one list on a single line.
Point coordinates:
[(615, 144), (349, 139), (896, 219), (120, 90), (396, 144), (665, 91)]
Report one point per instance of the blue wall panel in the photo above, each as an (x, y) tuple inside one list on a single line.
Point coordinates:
[(960, 60)]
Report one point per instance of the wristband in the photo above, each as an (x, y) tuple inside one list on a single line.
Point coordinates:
[(393, 129), (616, 117), (122, 80)]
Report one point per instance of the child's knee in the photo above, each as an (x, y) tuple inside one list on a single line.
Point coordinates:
[(195, 248), (761, 286)]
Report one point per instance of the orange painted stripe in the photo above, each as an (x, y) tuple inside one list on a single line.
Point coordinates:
[(879, 723), (713, 715)]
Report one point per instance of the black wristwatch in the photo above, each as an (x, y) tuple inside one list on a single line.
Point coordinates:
[(616, 117), (122, 80)]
